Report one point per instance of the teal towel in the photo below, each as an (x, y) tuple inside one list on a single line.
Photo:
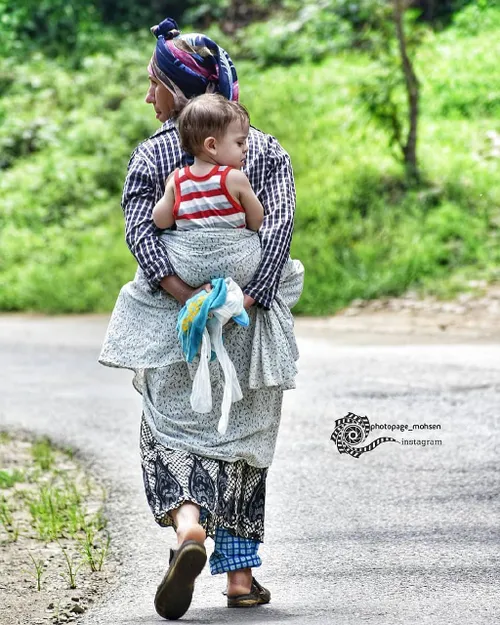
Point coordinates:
[(195, 313)]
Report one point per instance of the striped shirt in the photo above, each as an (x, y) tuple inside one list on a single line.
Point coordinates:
[(204, 201), (269, 170)]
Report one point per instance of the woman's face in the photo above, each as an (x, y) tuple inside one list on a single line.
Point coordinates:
[(161, 99)]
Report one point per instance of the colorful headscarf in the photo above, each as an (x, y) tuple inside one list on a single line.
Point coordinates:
[(192, 64)]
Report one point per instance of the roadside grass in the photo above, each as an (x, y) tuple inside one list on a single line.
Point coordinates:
[(49, 503), (8, 479), (42, 454)]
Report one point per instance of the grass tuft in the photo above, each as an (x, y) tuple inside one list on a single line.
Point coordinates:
[(43, 454)]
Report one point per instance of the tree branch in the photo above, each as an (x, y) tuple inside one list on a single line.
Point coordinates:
[(413, 91)]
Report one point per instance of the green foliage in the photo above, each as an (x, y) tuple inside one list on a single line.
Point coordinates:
[(38, 566), (57, 503), (73, 30), (62, 198), (94, 547), (293, 32), (56, 26), (207, 11), (6, 518), (458, 84), (42, 453), (71, 569), (360, 231), (56, 510), (384, 92), (313, 33), (9, 478), (479, 17)]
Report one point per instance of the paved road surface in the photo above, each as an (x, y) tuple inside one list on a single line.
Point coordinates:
[(400, 535)]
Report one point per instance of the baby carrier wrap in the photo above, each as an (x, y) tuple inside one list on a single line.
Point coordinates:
[(142, 336)]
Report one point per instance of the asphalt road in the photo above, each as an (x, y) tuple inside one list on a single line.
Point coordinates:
[(403, 534)]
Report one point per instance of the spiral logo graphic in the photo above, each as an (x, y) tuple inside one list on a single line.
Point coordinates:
[(352, 430)]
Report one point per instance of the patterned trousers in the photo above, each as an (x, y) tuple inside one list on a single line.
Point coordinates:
[(230, 495)]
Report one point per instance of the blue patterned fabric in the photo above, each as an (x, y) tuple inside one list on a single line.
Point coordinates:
[(193, 62), (270, 173), (232, 553)]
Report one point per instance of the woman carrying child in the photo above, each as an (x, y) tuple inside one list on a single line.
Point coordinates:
[(213, 191), (197, 480)]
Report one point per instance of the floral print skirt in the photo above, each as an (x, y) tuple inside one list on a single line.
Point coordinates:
[(231, 495)]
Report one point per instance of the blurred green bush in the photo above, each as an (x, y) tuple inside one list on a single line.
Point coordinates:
[(66, 136), (265, 29)]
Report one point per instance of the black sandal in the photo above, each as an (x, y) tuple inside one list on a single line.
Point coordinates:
[(258, 595), (174, 594)]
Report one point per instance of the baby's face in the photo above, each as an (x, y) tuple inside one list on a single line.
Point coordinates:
[(233, 147)]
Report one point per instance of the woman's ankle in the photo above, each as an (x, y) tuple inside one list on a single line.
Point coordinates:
[(239, 582), (190, 532)]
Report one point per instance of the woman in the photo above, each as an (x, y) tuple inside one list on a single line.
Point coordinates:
[(197, 480)]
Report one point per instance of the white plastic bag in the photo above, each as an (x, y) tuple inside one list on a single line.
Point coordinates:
[(233, 305), (232, 389), (201, 394)]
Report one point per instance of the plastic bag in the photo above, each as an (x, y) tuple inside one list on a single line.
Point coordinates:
[(201, 394), (232, 389)]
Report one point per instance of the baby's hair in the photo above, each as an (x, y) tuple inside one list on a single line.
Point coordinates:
[(208, 115)]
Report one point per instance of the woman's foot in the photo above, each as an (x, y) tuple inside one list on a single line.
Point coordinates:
[(190, 532), (239, 582), (187, 523), (258, 595), (175, 592)]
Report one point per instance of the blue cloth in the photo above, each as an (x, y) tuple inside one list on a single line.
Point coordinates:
[(195, 314), (232, 553)]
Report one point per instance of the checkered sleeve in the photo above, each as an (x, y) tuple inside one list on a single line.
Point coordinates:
[(141, 234), (278, 199)]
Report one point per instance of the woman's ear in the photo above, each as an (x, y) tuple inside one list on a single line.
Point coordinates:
[(210, 145)]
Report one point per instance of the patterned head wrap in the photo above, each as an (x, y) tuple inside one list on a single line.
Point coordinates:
[(192, 64)]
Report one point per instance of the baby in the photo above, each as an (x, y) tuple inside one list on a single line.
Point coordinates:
[(213, 192)]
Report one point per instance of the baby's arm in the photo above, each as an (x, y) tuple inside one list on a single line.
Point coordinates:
[(163, 212), (239, 187)]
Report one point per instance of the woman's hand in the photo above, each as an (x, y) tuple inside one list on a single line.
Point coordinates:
[(205, 287), (177, 288), (248, 302)]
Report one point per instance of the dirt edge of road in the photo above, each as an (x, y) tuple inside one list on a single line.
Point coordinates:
[(55, 560), (471, 317)]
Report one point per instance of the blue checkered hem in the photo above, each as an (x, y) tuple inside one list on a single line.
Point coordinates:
[(224, 565), (232, 553)]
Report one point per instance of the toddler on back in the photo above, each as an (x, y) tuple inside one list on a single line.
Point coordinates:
[(213, 192)]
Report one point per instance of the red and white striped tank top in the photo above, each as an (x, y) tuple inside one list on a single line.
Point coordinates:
[(204, 201)]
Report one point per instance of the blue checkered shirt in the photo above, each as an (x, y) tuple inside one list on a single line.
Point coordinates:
[(269, 170)]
